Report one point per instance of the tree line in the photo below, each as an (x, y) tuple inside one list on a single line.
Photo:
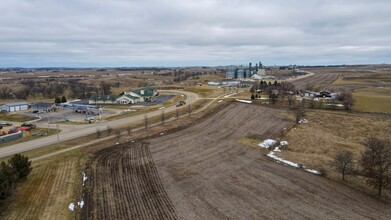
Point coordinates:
[(53, 89), (15, 170), (374, 163)]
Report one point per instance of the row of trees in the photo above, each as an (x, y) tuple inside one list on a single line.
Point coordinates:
[(374, 164), (16, 169), (52, 89)]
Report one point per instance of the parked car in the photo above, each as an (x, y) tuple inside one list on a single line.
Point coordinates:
[(5, 124), (13, 130), (31, 126)]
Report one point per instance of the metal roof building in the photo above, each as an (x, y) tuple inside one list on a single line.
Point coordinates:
[(13, 107)]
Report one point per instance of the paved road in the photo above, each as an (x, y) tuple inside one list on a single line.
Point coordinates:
[(70, 132)]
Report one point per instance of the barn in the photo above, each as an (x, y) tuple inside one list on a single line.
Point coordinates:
[(14, 107)]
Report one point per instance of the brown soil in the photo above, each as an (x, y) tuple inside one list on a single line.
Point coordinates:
[(203, 172), (317, 79)]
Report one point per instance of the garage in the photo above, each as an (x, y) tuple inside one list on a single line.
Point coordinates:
[(14, 107)]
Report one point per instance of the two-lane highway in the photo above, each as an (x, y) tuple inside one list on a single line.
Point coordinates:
[(83, 130)]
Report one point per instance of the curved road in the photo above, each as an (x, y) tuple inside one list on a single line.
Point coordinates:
[(83, 130)]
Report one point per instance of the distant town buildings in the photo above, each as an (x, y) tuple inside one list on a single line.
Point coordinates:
[(241, 72)]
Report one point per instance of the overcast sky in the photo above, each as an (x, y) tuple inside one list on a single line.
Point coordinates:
[(102, 33)]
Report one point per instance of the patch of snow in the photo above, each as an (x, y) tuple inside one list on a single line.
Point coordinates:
[(161, 108), (284, 143), (287, 162), (117, 143), (265, 103), (267, 143), (80, 204), (313, 171), (220, 101), (277, 149), (84, 178), (162, 133), (244, 101), (71, 207), (303, 121)]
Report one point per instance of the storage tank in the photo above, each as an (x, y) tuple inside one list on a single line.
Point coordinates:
[(240, 74), (248, 74), (230, 74)]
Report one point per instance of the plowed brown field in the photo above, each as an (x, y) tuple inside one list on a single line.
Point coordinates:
[(316, 79), (203, 172)]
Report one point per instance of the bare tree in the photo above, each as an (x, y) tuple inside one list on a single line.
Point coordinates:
[(98, 133), (376, 162), (343, 163), (346, 98), (109, 130), (146, 122), (6, 92), (117, 134), (162, 116), (299, 113)]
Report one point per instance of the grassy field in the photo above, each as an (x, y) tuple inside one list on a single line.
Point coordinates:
[(14, 117), (205, 91), (52, 185), (316, 143), (370, 102), (371, 90)]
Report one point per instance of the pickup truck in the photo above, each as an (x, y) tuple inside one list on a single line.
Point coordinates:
[(31, 126)]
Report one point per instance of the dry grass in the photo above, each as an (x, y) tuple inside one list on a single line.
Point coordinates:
[(14, 117), (205, 91), (52, 185), (316, 143), (372, 102)]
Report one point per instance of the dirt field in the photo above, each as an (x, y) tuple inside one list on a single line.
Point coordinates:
[(203, 172), (319, 79)]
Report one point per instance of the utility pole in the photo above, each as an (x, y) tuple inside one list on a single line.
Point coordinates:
[(48, 123), (58, 134)]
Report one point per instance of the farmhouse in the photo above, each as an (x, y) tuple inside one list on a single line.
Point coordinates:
[(140, 95), (13, 107), (146, 94)]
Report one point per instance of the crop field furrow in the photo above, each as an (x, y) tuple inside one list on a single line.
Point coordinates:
[(205, 172), (130, 187)]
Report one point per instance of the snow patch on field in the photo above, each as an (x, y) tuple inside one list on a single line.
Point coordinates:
[(272, 154), (80, 204), (71, 207), (313, 171), (303, 121), (267, 143), (287, 162), (84, 178), (244, 101)]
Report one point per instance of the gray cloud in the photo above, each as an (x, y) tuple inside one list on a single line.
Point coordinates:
[(208, 32)]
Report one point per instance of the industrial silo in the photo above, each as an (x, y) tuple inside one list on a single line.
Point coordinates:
[(230, 74), (240, 74), (247, 74)]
